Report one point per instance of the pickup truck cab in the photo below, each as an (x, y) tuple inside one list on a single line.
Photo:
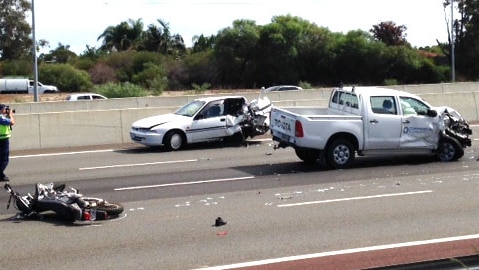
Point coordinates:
[(370, 121)]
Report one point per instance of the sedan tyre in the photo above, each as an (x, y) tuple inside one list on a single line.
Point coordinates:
[(173, 140)]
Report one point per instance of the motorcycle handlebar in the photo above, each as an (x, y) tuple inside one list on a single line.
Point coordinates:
[(8, 188)]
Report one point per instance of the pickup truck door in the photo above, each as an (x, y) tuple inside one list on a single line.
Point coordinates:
[(418, 129), (383, 125), (209, 123)]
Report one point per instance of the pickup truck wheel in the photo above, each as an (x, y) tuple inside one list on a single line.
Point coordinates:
[(307, 155), (340, 154), (449, 150), (173, 140)]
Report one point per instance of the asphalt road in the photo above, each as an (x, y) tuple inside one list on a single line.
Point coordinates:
[(279, 211)]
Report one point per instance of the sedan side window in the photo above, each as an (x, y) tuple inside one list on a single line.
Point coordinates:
[(213, 109)]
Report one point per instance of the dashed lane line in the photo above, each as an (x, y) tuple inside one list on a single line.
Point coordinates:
[(185, 183), (356, 198)]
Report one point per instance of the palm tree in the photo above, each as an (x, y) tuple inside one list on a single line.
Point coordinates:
[(123, 37), (159, 39), (152, 39)]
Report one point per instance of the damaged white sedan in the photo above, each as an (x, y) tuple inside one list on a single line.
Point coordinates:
[(204, 120)]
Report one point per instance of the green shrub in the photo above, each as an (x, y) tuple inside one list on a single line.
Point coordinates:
[(120, 90), (16, 68), (152, 77), (390, 82), (65, 77), (305, 85), (200, 88)]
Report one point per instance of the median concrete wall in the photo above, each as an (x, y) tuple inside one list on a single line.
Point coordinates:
[(44, 125)]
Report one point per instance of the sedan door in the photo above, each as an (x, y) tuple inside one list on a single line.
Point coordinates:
[(209, 123)]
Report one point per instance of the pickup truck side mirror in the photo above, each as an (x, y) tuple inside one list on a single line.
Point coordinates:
[(431, 113)]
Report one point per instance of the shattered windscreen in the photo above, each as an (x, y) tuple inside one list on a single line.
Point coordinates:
[(191, 108)]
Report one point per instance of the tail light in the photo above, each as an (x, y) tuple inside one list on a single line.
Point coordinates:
[(86, 215), (298, 129)]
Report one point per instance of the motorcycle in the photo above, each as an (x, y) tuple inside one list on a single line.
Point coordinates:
[(68, 204)]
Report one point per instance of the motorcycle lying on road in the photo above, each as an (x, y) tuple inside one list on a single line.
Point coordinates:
[(68, 204)]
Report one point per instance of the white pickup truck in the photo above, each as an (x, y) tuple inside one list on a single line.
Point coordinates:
[(370, 121)]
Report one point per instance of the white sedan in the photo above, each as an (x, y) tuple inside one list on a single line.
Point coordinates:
[(201, 120)]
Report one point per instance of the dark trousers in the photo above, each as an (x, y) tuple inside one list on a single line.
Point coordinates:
[(4, 155)]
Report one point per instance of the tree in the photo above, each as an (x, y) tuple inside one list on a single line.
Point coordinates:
[(61, 54), (389, 33), (466, 30), (123, 37), (159, 39), (235, 50), (15, 42), (279, 47), (358, 59), (202, 43)]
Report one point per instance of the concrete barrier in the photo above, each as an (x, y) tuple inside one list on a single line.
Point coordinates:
[(56, 124)]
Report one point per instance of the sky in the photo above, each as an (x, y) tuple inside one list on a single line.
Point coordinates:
[(80, 23)]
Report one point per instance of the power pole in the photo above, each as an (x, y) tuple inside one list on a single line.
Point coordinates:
[(34, 52), (453, 60)]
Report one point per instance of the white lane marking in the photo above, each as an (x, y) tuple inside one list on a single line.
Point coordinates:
[(343, 252), (64, 153), (186, 183), (137, 164), (355, 198)]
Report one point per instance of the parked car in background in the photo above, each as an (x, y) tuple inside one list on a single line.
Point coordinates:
[(84, 96), (24, 86), (283, 88), (204, 120)]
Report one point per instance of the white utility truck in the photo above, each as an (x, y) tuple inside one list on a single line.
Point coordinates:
[(370, 121), (24, 86)]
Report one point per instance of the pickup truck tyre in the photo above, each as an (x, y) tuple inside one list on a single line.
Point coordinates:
[(173, 140), (309, 156), (449, 149), (340, 154)]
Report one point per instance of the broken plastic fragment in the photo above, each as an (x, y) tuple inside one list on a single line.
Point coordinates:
[(219, 222)]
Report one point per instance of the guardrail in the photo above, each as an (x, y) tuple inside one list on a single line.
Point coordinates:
[(83, 123)]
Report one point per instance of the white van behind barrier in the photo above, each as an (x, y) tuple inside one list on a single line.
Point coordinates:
[(24, 86)]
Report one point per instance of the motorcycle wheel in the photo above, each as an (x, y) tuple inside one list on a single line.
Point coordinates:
[(112, 209), (23, 205)]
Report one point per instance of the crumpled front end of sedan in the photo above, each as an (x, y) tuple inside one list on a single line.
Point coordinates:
[(151, 131), (146, 136)]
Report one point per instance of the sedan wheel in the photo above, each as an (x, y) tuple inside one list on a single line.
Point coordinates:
[(173, 140)]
